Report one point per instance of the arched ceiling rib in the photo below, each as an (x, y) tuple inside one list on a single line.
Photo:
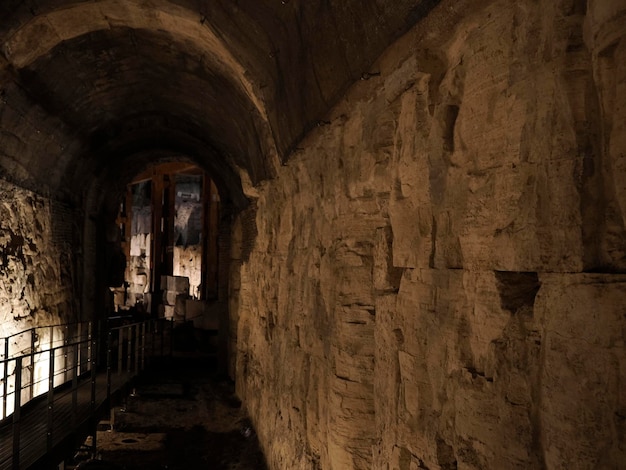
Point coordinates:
[(119, 88), (246, 78)]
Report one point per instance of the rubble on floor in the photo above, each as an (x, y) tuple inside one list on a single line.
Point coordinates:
[(182, 416)]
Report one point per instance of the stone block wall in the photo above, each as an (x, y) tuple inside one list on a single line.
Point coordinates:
[(435, 277), (37, 264)]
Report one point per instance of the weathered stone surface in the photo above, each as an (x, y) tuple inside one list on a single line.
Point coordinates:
[(417, 278), (37, 278), (582, 402), (411, 287)]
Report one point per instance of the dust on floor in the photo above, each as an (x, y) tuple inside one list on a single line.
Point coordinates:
[(180, 416)]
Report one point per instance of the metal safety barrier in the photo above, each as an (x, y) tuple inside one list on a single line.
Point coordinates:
[(31, 347), (64, 377)]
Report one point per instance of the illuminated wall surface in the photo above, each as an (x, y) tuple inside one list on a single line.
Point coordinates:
[(187, 236), (416, 296), (433, 276), (138, 266), (37, 282), (37, 347), (188, 231), (36, 286)]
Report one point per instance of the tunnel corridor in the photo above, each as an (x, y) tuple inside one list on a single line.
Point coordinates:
[(404, 221)]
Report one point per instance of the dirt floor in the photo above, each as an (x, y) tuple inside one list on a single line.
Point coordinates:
[(181, 416)]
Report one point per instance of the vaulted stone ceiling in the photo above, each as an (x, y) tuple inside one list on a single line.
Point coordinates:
[(232, 84)]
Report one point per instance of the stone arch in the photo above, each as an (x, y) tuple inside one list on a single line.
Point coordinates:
[(207, 84), (38, 36)]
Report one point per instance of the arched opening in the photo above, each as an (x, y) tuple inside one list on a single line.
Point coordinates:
[(168, 251), (169, 225), (158, 240)]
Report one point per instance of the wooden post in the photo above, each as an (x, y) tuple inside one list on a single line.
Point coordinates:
[(169, 210), (212, 232), (156, 257)]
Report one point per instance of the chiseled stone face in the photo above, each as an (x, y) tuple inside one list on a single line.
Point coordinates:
[(432, 278), (36, 263), (416, 296)]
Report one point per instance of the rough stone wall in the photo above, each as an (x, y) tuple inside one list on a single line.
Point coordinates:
[(37, 284), (435, 277)]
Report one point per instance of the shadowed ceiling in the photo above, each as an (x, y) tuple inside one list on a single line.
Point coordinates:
[(231, 84)]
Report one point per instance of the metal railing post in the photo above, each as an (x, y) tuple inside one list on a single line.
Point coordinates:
[(79, 341), (143, 345), (153, 340), (33, 336), (120, 350), (136, 327), (6, 378), (162, 340), (172, 337), (66, 341), (92, 359), (75, 371), (50, 400), (109, 364), (89, 348), (73, 357), (129, 347), (17, 403)]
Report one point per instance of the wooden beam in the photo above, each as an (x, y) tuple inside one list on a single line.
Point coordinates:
[(156, 258), (211, 243)]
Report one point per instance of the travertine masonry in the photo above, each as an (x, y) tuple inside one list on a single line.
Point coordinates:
[(419, 291), (37, 282)]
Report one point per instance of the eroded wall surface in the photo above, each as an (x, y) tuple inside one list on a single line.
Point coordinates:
[(434, 280), (37, 281)]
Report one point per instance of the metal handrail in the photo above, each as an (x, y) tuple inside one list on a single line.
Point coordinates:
[(74, 368), (24, 376), (128, 349), (82, 331), (35, 337)]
